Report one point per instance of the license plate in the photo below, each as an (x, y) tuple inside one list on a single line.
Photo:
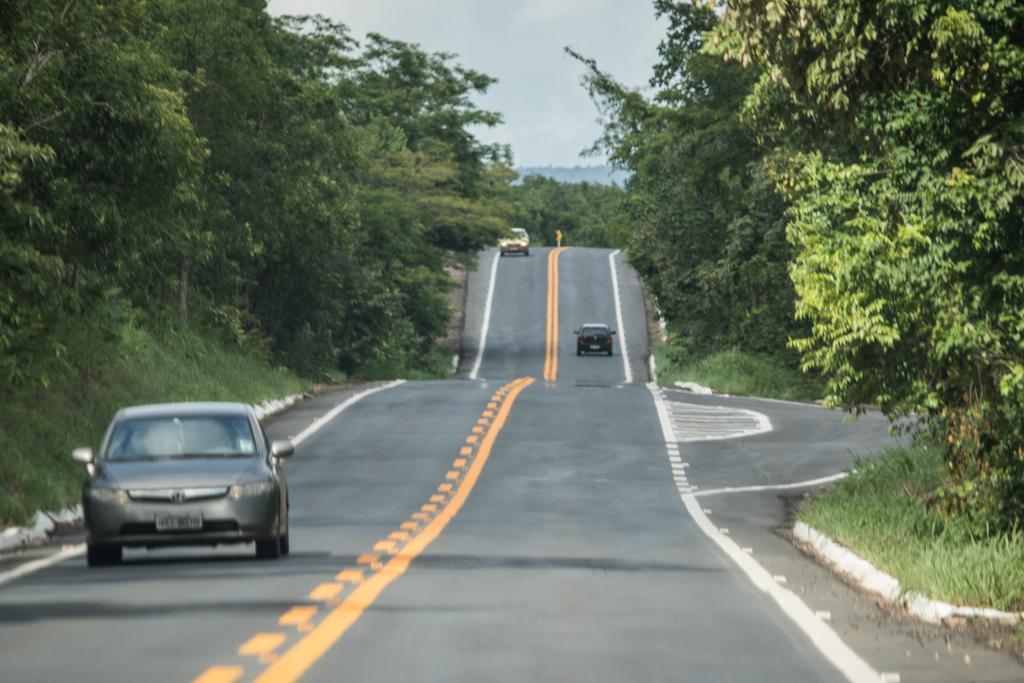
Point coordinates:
[(595, 347), (179, 522)]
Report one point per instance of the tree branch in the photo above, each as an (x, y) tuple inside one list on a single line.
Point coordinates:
[(43, 121), (39, 61)]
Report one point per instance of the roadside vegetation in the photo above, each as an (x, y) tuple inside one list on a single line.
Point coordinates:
[(886, 511), (737, 373), (198, 200), (707, 224), (842, 185), (111, 361), (267, 179)]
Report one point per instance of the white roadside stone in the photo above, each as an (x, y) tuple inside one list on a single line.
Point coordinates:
[(274, 406), (875, 580), (43, 524), (694, 388)]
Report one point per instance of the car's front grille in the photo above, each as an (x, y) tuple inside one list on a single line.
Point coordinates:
[(178, 495)]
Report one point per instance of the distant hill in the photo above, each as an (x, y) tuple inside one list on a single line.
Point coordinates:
[(601, 175)]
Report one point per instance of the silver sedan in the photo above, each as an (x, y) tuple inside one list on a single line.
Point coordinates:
[(185, 474)]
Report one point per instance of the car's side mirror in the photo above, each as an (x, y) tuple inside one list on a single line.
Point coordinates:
[(282, 449), (613, 331), (575, 331), (82, 455)]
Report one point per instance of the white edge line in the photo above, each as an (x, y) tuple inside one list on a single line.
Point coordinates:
[(320, 422), (667, 432), (618, 318), (775, 487), (487, 318), (828, 643), (42, 563)]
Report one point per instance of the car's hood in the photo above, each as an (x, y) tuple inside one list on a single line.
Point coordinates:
[(178, 473)]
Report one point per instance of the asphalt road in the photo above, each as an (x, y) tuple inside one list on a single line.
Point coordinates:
[(524, 522)]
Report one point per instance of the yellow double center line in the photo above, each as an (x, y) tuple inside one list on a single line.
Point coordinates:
[(314, 632), (551, 354)]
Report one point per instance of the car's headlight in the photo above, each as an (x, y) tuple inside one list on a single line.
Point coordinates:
[(255, 488), (103, 494)]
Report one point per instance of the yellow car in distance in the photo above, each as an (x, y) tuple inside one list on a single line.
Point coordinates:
[(517, 242)]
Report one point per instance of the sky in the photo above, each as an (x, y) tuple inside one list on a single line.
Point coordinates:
[(548, 117)]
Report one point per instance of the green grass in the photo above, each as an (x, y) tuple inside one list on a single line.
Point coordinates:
[(738, 373), (436, 363), (881, 513), (98, 371)]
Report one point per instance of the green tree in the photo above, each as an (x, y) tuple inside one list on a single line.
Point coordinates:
[(101, 162), (589, 215), (266, 179), (898, 127), (708, 229)]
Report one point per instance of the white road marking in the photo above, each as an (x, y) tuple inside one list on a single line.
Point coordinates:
[(663, 419), (320, 422), (42, 563), (821, 635), (487, 318), (618, 319), (775, 487), (698, 422)]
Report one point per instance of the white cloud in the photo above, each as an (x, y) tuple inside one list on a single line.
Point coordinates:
[(548, 11), (549, 118)]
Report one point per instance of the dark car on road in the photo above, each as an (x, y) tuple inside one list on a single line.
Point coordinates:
[(594, 338), (185, 474)]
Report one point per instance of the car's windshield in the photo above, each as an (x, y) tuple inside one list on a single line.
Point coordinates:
[(191, 436), (594, 331), (518, 233)]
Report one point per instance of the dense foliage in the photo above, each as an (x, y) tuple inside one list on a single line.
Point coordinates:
[(708, 228), (898, 128), (588, 214), (266, 178)]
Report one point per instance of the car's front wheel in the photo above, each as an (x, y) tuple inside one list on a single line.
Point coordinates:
[(285, 546), (268, 548), (102, 555)]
